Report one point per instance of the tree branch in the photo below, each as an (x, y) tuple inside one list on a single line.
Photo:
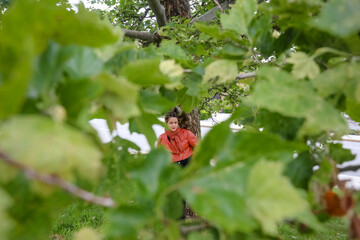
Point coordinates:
[(56, 181), (210, 15), (146, 36), (186, 229), (245, 75), (159, 12)]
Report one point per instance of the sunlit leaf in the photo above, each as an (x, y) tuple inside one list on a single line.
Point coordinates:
[(64, 149)]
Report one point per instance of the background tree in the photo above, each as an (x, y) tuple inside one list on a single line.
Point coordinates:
[(60, 68)]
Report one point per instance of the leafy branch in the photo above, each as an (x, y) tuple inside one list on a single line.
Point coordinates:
[(58, 182)]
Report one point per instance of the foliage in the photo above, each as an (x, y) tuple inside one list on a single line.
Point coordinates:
[(60, 68)]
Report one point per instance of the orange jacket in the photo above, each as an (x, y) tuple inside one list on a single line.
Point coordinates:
[(188, 141)]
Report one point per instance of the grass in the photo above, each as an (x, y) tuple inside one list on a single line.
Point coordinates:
[(335, 229), (74, 218), (81, 215)]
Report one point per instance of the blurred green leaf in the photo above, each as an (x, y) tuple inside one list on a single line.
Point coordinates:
[(48, 70), (84, 63), (352, 108), (143, 124), (83, 28), (145, 72), (280, 92), (126, 221), (240, 16), (169, 48), (121, 97), (6, 223), (214, 140), (220, 197), (339, 18), (303, 65), (340, 154), (149, 172), (154, 103), (270, 197), (224, 70), (244, 146), (300, 170), (66, 149)]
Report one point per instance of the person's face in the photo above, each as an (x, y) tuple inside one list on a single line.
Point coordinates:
[(173, 123)]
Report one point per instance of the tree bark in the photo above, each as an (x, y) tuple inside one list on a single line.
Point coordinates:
[(190, 121), (176, 8)]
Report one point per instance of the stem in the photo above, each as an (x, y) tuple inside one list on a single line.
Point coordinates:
[(159, 12), (56, 181)]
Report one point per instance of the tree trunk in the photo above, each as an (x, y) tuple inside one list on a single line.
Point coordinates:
[(175, 8), (189, 121)]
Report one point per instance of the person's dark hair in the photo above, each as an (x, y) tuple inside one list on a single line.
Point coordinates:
[(170, 115)]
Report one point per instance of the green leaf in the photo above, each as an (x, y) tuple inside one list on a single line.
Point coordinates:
[(127, 221), (66, 149), (339, 18), (83, 28), (281, 93), (169, 48), (241, 14), (220, 197), (6, 223), (352, 108), (270, 197), (244, 146), (343, 79), (222, 70), (48, 70), (340, 154), (300, 170), (214, 140), (154, 103), (143, 124), (149, 172), (303, 66), (145, 72), (174, 205), (77, 96), (188, 103), (121, 97), (84, 63)]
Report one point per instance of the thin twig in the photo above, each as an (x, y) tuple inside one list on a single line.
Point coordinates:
[(245, 75), (217, 3), (56, 181), (186, 229)]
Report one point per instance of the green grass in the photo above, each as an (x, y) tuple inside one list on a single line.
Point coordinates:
[(74, 218), (82, 215), (335, 229)]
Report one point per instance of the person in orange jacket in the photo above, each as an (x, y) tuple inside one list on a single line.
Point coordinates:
[(179, 141)]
